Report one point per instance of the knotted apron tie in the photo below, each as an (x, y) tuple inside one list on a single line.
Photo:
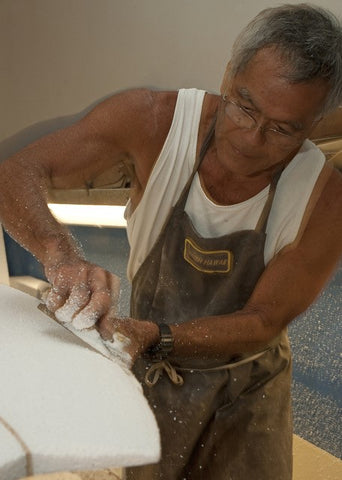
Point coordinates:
[(156, 370)]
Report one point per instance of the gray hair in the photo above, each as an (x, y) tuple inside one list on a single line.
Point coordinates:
[(308, 37)]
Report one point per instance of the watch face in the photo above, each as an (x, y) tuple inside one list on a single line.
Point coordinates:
[(166, 338), (166, 344)]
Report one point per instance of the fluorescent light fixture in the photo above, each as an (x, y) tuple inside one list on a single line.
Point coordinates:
[(91, 215)]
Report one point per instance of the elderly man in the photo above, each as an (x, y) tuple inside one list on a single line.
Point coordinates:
[(234, 224)]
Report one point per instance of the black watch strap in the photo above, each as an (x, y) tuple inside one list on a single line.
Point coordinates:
[(166, 342)]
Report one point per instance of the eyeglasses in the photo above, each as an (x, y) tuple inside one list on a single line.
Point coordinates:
[(242, 118)]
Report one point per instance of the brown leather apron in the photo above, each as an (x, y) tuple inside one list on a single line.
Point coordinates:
[(227, 421)]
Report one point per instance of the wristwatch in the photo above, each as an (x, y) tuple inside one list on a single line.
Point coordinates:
[(166, 342)]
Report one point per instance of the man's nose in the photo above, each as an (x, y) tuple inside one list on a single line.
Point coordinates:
[(255, 136)]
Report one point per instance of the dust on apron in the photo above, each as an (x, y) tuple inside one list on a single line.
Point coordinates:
[(223, 421)]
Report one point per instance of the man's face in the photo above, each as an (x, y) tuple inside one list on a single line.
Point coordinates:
[(284, 115)]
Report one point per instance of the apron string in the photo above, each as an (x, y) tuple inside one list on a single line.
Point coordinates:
[(226, 366), (155, 371)]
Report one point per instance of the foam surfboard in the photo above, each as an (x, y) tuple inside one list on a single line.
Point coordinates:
[(64, 406)]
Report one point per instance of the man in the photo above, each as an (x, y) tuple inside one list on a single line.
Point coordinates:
[(234, 225)]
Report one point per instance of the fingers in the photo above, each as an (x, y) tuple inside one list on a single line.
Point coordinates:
[(127, 335), (117, 336), (119, 347), (115, 293), (79, 296), (68, 280), (104, 298), (98, 305), (53, 299), (82, 293)]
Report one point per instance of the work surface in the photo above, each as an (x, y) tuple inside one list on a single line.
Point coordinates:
[(63, 406)]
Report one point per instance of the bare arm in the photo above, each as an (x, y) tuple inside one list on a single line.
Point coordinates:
[(289, 284), (329, 126), (122, 125), (131, 124)]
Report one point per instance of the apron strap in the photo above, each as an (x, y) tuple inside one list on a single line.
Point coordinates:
[(180, 204), (205, 144), (262, 222)]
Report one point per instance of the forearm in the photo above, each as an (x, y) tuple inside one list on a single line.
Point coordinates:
[(223, 336), (25, 215)]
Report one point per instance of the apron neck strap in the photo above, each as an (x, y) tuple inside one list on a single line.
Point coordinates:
[(262, 222), (205, 145), (204, 148)]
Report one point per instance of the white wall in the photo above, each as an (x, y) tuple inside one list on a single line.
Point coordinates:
[(59, 56)]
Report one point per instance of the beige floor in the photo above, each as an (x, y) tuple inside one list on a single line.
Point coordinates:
[(312, 463), (107, 474), (309, 463)]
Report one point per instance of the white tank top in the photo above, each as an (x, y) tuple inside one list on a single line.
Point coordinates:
[(172, 170)]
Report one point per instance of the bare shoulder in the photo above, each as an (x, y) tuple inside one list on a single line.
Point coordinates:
[(135, 122), (328, 208), (322, 237), (319, 247), (130, 125), (329, 126), (297, 274), (132, 114)]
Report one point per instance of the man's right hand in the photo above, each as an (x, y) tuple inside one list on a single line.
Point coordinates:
[(81, 293)]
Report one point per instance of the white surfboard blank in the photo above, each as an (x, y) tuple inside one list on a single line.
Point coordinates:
[(64, 406)]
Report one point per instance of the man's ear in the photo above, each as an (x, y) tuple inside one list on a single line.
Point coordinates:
[(226, 80)]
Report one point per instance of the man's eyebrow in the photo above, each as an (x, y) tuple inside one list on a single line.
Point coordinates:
[(244, 94)]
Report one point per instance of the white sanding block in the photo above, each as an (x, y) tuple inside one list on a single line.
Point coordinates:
[(64, 406)]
